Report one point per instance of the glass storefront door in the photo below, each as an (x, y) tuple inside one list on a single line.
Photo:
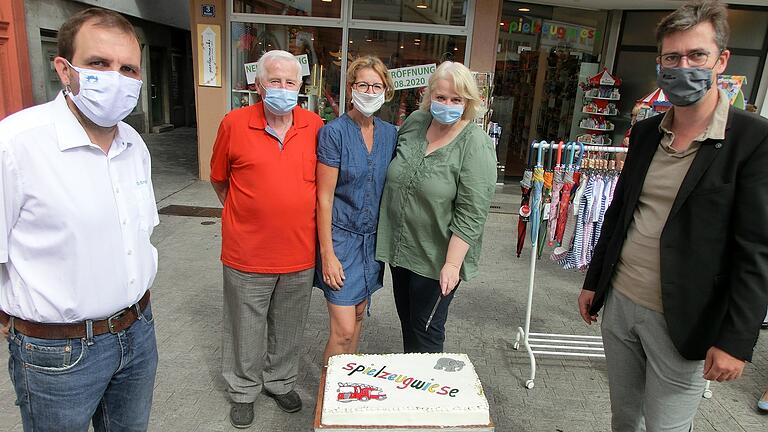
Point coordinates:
[(421, 32), (540, 53)]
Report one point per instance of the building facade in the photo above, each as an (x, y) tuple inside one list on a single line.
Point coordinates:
[(167, 97), (538, 54)]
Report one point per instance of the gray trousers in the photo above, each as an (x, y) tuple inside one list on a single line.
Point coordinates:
[(264, 316), (652, 386)]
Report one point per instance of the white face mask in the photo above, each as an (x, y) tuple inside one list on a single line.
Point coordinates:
[(367, 103), (105, 97)]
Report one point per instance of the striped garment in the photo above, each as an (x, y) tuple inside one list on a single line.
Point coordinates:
[(571, 260), (604, 200), (591, 201)]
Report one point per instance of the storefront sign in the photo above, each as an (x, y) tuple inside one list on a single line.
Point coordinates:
[(208, 10), (304, 62), (250, 73), (525, 25), (209, 42), (554, 33), (250, 68), (412, 76)]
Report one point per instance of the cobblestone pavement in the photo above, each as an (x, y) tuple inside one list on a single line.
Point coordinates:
[(570, 394)]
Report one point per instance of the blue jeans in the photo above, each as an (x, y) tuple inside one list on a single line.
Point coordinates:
[(62, 385)]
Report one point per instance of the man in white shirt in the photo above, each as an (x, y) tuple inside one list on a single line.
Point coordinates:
[(76, 214)]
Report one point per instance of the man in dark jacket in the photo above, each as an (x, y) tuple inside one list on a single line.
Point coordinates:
[(682, 264)]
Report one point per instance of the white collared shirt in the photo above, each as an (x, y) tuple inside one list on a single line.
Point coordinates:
[(75, 223)]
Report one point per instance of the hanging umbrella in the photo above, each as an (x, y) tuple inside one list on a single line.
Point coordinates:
[(546, 198), (577, 167), (525, 209), (536, 186), (557, 185), (565, 197)]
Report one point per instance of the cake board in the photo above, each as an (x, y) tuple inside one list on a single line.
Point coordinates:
[(318, 427)]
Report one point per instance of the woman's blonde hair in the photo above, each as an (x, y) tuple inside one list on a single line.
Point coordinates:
[(464, 85), (378, 66)]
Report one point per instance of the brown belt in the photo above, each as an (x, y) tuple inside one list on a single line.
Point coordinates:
[(114, 324)]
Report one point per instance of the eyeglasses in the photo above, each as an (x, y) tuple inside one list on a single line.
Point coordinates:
[(364, 86), (695, 59)]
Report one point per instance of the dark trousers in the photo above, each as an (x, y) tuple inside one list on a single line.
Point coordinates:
[(415, 296)]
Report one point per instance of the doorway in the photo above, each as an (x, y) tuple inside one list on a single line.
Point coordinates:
[(157, 104)]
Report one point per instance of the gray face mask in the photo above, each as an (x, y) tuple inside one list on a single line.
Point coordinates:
[(684, 86)]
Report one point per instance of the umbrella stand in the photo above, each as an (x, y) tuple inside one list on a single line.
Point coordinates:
[(547, 343), (550, 344)]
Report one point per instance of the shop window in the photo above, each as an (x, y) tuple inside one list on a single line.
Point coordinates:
[(399, 49), (748, 28), (321, 46), (310, 8), (638, 73), (639, 27), (748, 66), (636, 57), (444, 12), (543, 53)]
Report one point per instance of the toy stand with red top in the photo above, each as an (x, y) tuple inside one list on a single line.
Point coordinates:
[(601, 94)]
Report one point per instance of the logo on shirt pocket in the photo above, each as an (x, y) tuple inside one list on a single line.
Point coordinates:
[(144, 204)]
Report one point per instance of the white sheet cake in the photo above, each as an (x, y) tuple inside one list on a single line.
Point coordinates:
[(403, 390)]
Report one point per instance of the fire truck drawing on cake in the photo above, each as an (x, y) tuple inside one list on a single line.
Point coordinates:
[(349, 392)]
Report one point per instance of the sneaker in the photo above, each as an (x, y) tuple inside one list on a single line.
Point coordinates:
[(241, 415), (289, 402), (765, 325), (762, 404)]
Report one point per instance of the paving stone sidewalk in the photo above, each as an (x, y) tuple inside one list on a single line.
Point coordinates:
[(570, 394)]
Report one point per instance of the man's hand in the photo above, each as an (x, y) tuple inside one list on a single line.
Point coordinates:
[(6, 330), (585, 302), (721, 366)]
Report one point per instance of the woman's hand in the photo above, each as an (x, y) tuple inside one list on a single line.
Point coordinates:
[(333, 272), (449, 278)]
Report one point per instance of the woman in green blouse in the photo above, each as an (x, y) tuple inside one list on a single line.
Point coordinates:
[(435, 204)]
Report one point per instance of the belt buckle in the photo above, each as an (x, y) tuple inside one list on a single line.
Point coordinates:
[(116, 316)]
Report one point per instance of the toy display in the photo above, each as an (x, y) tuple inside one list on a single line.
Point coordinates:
[(601, 94)]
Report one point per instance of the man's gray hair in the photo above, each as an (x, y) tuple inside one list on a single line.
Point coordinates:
[(693, 13), (276, 55)]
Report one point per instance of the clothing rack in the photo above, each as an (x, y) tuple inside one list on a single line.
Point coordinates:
[(550, 343)]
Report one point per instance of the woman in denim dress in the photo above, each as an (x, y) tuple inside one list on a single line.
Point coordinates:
[(353, 155)]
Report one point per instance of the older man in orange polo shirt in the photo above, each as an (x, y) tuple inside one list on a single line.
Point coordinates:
[(263, 171)]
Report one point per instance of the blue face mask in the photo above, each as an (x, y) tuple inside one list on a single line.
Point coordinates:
[(280, 101), (446, 114)]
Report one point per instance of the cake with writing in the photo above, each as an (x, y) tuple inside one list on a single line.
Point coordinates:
[(403, 390)]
